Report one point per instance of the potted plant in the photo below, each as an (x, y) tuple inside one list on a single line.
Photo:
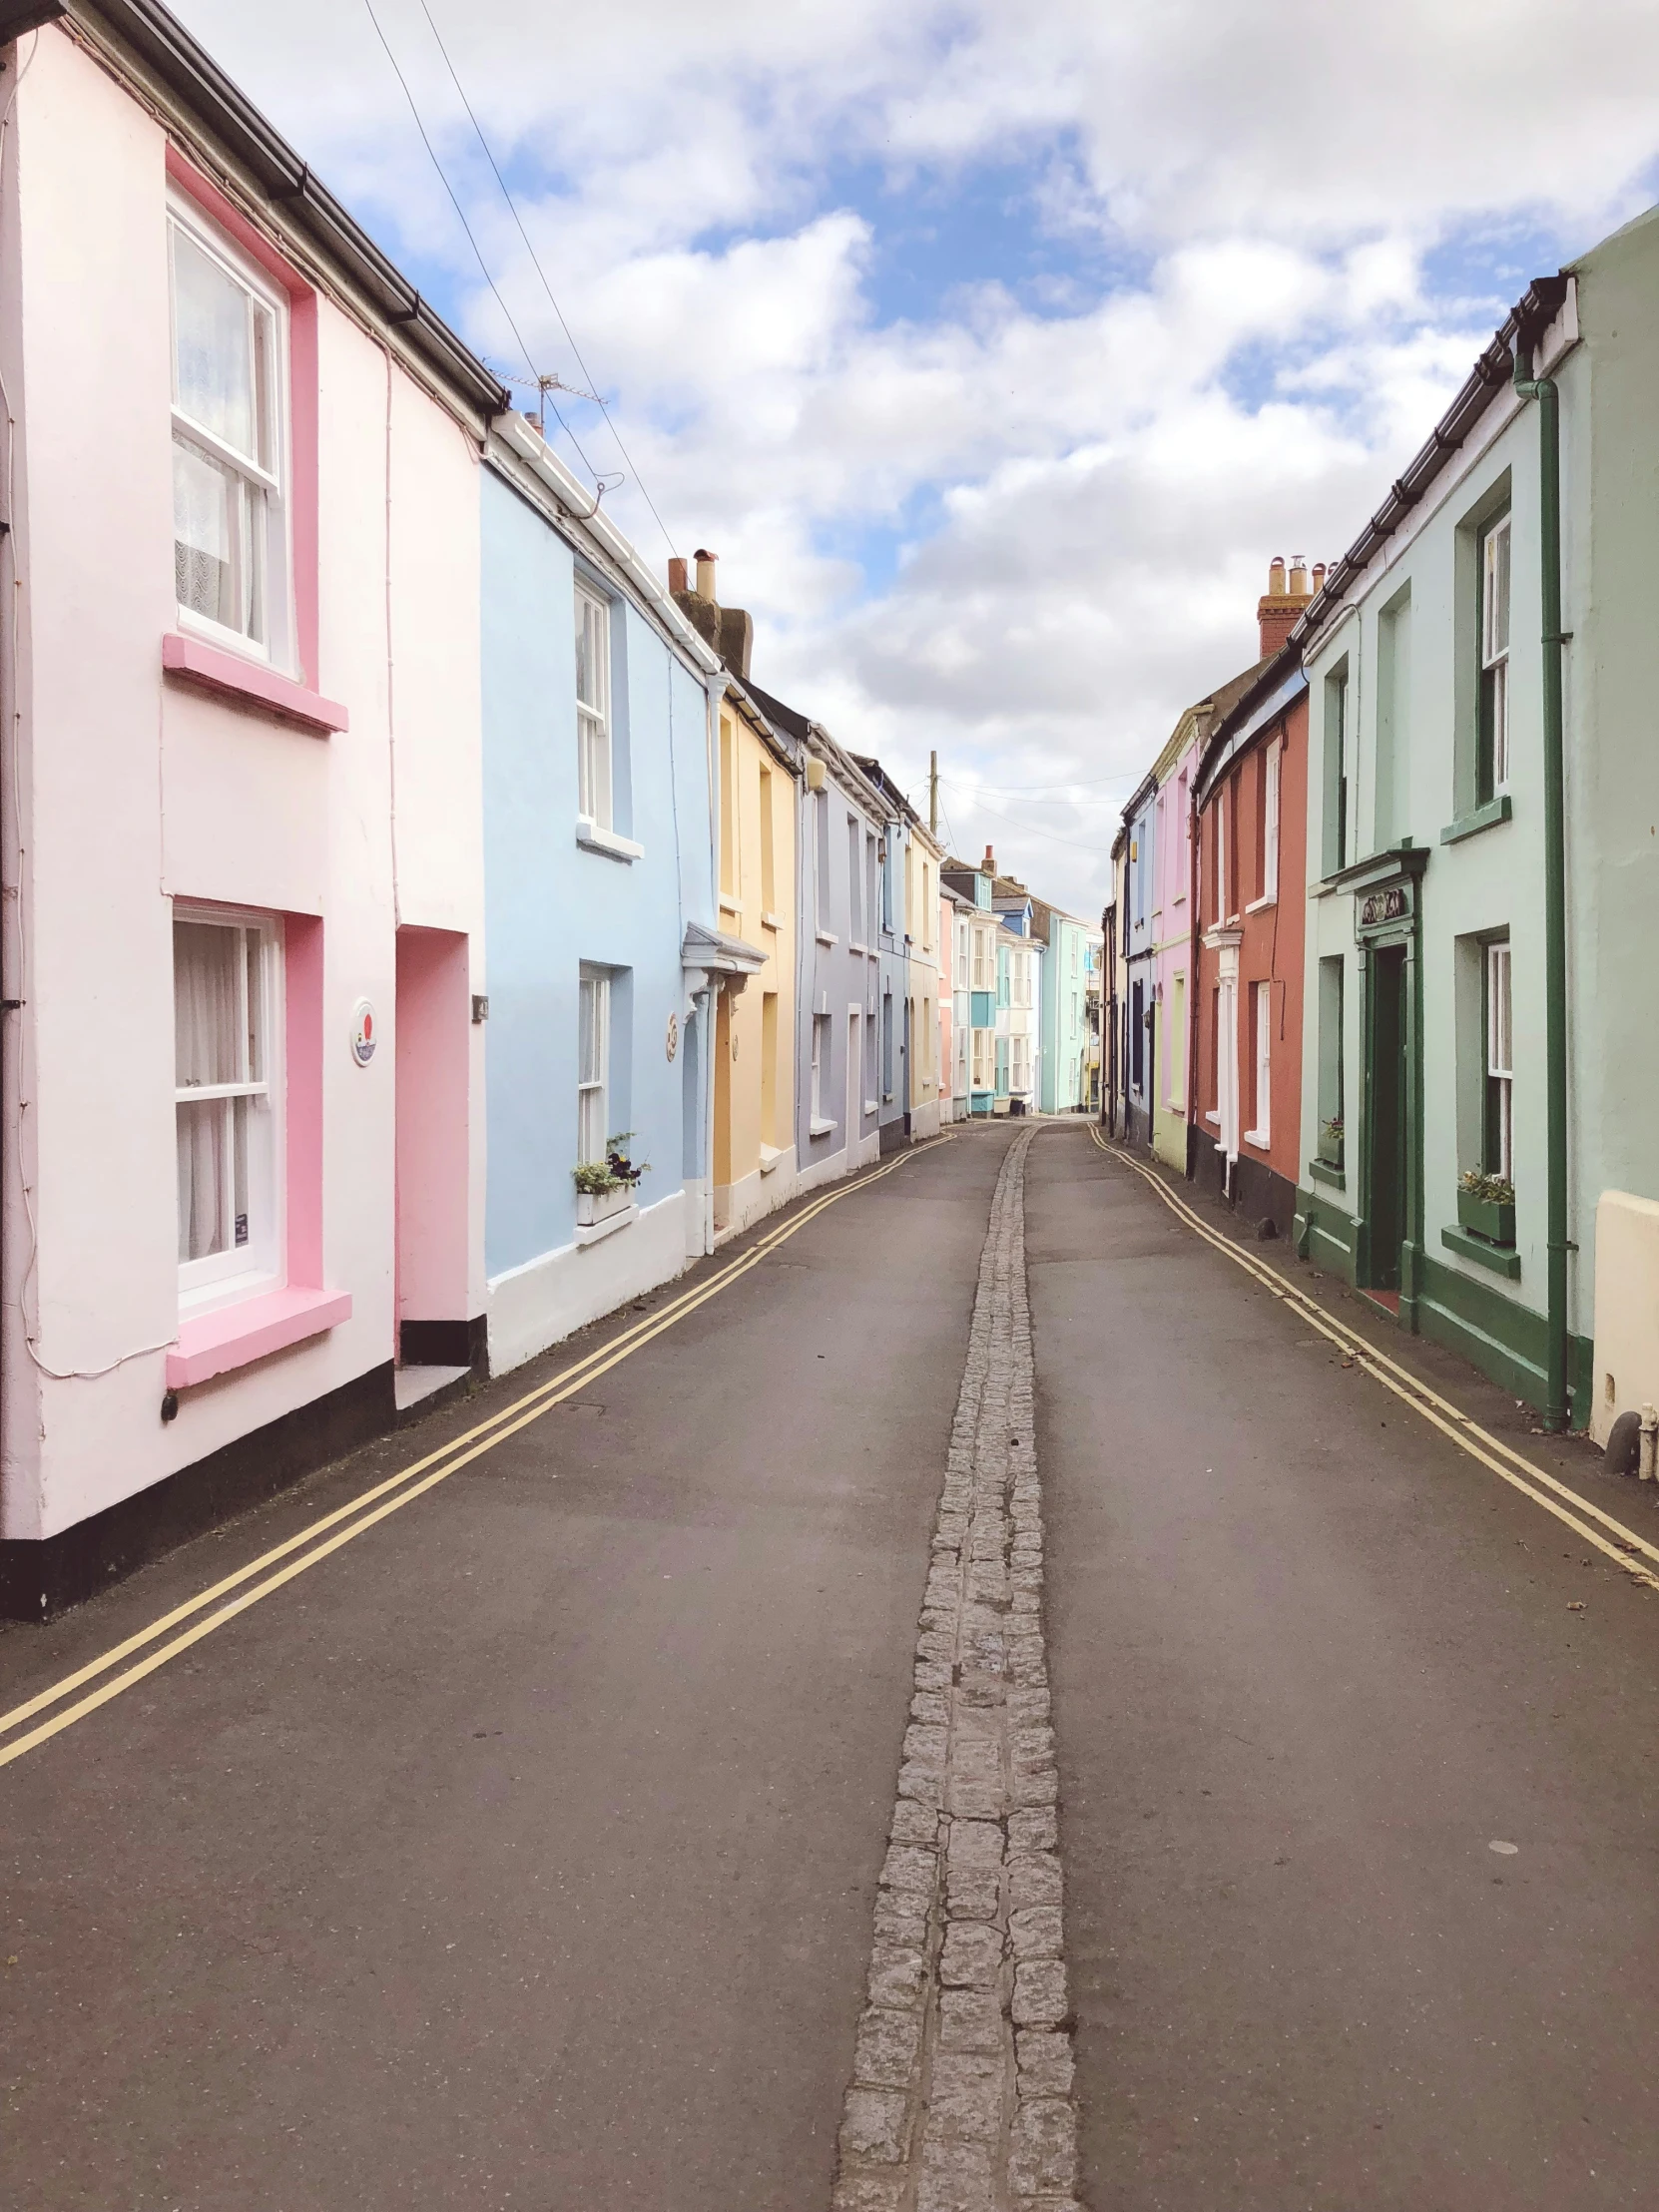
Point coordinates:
[(1331, 1141), (604, 1187), (1487, 1206)]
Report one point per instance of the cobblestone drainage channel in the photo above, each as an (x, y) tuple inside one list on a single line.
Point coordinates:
[(961, 2095)]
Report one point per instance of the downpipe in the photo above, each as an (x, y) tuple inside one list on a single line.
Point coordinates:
[(1544, 390)]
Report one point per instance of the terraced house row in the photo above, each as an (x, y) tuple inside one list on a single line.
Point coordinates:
[(421, 934), (1380, 941)]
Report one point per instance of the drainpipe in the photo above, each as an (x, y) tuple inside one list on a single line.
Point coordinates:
[(1544, 390), (1192, 970)]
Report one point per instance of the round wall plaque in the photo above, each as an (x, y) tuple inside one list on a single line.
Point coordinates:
[(362, 1032)]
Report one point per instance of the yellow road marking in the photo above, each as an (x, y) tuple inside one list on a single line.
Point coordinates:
[(442, 1463), (1491, 1452)]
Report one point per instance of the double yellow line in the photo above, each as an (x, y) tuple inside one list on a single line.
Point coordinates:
[(1620, 1544), (323, 1537)]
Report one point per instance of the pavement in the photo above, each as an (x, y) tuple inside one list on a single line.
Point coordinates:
[(527, 1850)]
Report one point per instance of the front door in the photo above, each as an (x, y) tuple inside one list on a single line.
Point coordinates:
[(1388, 1094)]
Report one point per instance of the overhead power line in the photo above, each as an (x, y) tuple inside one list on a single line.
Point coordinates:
[(529, 360), (535, 262), (1029, 827)]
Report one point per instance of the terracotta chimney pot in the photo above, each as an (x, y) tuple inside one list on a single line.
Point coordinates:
[(706, 574), (988, 865), (677, 574)]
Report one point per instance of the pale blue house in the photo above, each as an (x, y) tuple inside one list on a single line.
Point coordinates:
[(600, 916)]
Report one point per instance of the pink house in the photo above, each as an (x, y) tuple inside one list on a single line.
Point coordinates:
[(239, 831)]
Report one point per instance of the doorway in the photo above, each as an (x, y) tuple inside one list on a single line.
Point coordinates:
[(1388, 1095), (434, 1341)]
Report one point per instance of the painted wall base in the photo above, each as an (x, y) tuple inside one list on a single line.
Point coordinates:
[(40, 1577), (1258, 1193), (1503, 1339), (544, 1301), (739, 1205)]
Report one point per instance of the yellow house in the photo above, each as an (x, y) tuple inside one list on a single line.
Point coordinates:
[(754, 1132)]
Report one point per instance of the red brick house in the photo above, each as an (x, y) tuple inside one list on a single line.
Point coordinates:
[(1249, 824)]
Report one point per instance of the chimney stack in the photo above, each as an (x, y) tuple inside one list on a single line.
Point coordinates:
[(988, 865), (1280, 607), (729, 630)]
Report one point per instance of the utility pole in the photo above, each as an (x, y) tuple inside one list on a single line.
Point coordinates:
[(932, 795)]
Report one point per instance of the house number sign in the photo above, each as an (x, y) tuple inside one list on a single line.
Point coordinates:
[(1377, 908), (362, 1032)]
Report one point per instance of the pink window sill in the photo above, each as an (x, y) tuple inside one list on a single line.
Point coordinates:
[(233, 1336), (228, 676)]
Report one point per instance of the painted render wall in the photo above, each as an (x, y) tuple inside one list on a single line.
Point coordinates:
[(841, 969), (1170, 964), (150, 790), (553, 904), (1475, 884), (1266, 930), (1067, 1039), (755, 1159)]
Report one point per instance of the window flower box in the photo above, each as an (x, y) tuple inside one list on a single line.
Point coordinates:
[(1487, 1208), (593, 1207)]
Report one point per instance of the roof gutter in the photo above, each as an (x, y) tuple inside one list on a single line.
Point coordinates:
[(164, 51), (1490, 374)]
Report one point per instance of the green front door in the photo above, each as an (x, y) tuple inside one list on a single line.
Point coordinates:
[(1387, 1089)]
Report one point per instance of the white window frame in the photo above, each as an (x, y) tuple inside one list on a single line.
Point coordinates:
[(595, 750), (1269, 822), (1497, 611), (258, 1261), (1262, 997), (983, 1077), (593, 1064), (1220, 854), (263, 540), (820, 1057), (1501, 1049)]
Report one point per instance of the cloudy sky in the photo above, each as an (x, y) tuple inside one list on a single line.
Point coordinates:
[(994, 348)]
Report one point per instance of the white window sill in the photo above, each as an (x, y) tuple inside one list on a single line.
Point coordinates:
[(1267, 899), (828, 936), (886, 1099), (818, 1127), (731, 906), (770, 921), (592, 1233), (1216, 1118), (869, 1105), (770, 1154), (1259, 1138), (592, 839), (852, 946)]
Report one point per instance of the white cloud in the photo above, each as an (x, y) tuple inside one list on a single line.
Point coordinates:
[(1088, 474)]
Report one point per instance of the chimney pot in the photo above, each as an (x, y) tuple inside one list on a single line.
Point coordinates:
[(1299, 576), (706, 573), (677, 574), (987, 866), (1275, 577), (1319, 576)]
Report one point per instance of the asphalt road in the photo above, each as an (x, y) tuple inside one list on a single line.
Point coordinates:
[(525, 1853), (1311, 1662)]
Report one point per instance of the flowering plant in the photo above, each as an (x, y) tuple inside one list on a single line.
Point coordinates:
[(1491, 1190)]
